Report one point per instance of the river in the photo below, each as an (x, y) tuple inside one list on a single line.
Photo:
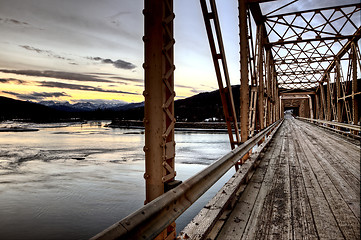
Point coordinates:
[(70, 181)]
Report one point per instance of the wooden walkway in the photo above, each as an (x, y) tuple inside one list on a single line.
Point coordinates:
[(307, 186)]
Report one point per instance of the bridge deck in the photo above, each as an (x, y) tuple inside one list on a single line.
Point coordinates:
[(306, 187)]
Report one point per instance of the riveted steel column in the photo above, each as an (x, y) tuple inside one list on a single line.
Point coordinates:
[(244, 91), (354, 85), (317, 103), (338, 91), (328, 98), (310, 103), (261, 101), (159, 96)]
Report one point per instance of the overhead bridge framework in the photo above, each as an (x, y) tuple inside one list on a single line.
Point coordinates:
[(306, 61)]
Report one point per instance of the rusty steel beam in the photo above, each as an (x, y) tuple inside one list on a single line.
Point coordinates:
[(355, 103), (298, 93), (338, 91), (314, 10), (244, 89), (159, 96), (225, 91), (342, 52), (311, 108), (261, 101), (282, 42)]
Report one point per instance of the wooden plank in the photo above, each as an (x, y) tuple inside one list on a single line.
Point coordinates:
[(237, 221), (339, 173), (346, 221), (202, 224), (278, 226), (302, 189), (347, 154), (255, 223), (272, 208), (301, 218), (324, 220)]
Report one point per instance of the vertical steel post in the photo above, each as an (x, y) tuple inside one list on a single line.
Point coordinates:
[(331, 94), (310, 103), (323, 101), (354, 85), (274, 84), (269, 107), (328, 102), (244, 91), (260, 77), (159, 96), (278, 104), (317, 103), (338, 91)]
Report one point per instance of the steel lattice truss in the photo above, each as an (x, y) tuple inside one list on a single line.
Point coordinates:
[(305, 43)]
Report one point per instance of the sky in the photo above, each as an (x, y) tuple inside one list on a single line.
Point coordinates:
[(82, 50)]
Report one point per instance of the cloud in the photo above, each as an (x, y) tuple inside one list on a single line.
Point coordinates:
[(182, 86), (136, 80), (38, 96), (58, 74), (81, 87), (13, 21), (47, 52), (12, 80), (118, 63)]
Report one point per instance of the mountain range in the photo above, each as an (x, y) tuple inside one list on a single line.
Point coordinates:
[(199, 107)]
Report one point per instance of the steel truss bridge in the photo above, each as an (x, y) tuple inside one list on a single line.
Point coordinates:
[(302, 181)]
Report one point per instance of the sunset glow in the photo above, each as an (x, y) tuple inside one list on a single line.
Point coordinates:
[(87, 49)]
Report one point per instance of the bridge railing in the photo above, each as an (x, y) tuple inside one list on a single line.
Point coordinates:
[(352, 129), (153, 218)]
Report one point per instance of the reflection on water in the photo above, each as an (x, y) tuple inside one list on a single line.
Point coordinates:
[(72, 181)]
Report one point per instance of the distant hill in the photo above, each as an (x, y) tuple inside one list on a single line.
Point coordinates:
[(193, 109), (16, 109), (88, 105)]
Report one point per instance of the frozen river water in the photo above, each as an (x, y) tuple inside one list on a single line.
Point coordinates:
[(72, 181)]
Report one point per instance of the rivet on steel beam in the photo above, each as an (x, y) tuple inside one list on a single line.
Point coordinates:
[(145, 65), (146, 176), (164, 136), (127, 222), (145, 149), (145, 38), (145, 120), (145, 93)]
